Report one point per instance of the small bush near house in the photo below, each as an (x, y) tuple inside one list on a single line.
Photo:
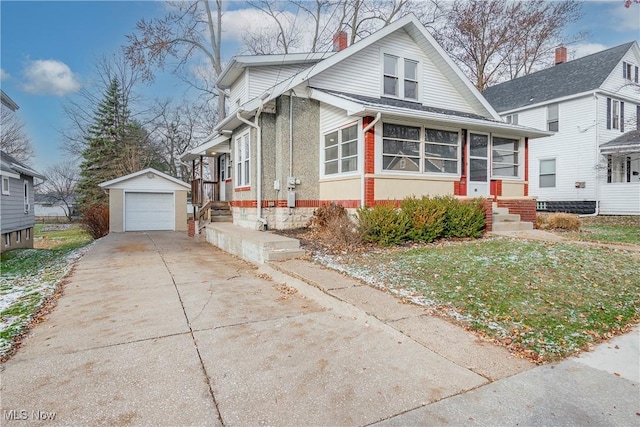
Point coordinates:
[(558, 221), (333, 223), (95, 219), (383, 224), (464, 219), (426, 216)]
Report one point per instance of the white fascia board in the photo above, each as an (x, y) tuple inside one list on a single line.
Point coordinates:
[(622, 149), (142, 172), (615, 95), (9, 174), (214, 142), (352, 107)]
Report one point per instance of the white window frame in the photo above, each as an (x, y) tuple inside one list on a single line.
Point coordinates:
[(615, 114), (27, 206), (627, 71), (555, 120), (6, 186), (7, 239), (422, 150), (400, 76), (339, 145), (512, 119), (18, 236), (555, 173), (27, 233), (519, 157), (243, 159)]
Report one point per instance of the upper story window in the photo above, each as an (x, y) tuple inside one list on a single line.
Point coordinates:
[(553, 122), (400, 77), (5, 185), (243, 160), (27, 206), (341, 151), (629, 72), (512, 119), (415, 149), (615, 114)]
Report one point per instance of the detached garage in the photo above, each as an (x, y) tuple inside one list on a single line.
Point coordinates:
[(147, 200)]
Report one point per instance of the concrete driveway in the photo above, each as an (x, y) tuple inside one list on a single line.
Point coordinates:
[(160, 329)]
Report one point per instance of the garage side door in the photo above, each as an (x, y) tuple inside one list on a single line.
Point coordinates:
[(148, 211)]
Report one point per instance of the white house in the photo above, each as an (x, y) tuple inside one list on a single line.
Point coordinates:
[(591, 164), (388, 117)]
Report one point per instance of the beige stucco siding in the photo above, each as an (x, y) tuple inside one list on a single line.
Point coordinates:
[(512, 189), (116, 210), (341, 189), (388, 188), (180, 210)]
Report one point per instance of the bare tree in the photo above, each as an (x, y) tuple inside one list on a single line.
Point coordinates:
[(496, 39), (189, 28), (60, 185), (13, 139)]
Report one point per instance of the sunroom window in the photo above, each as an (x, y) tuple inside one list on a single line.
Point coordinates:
[(505, 157), (441, 151), (341, 151)]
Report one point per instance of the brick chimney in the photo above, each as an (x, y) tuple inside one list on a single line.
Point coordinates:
[(339, 41), (561, 55)]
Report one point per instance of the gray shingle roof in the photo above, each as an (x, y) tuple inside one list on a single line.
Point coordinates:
[(629, 139), (577, 76), (9, 164)]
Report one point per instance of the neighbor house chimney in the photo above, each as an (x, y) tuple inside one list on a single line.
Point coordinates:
[(339, 41), (561, 55)]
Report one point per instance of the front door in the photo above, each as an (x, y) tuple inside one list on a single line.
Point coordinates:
[(222, 170), (478, 164)]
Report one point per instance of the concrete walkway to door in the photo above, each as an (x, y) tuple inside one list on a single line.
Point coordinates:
[(160, 329)]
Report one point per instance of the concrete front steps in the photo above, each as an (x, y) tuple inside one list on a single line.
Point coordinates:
[(221, 212), (505, 221), (254, 246)]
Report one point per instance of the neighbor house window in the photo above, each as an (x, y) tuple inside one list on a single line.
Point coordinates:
[(615, 114), (7, 239), (390, 77), (341, 151), (27, 234), (547, 173), (18, 236), (243, 156), (400, 77), (623, 168), (27, 207), (5, 185), (552, 118), (416, 149), (512, 119), (626, 71), (506, 157)]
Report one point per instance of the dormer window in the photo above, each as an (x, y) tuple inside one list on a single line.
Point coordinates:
[(400, 77), (629, 72)]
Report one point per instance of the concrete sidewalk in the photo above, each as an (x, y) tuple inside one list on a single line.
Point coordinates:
[(159, 329)]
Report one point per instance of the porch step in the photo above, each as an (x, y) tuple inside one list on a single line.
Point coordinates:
[(505, 217), (511, 226), (221, 218), (283, 254)]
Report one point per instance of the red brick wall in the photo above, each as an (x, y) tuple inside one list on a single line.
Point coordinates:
[(526, 208), (369, 162), (488, 214)]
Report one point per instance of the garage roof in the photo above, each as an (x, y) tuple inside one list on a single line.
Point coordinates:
[(151, 173)]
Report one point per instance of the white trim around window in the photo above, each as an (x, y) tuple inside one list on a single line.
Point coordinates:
[(507, 157), (341, 150), (415, 149), (27, 206), (5, 186), (400, 77), (243, 159)]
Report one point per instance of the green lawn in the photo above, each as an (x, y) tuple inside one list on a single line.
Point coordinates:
[(544, 300), (608, 229), (30, 276)]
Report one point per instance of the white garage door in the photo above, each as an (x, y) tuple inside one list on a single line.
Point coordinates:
[(148, 211)]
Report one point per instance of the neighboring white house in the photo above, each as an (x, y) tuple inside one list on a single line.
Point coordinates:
[(388, 117), (592, 162)]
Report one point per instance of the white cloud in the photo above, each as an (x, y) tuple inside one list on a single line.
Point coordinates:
[(626, 19), (3, 74), (49, 77), (583, 49)]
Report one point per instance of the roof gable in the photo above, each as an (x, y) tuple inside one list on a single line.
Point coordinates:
[(423, 39), (10, 164), (570, 78), (150, 173)]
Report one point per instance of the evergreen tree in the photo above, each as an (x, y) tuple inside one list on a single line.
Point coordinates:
[(106, 142)]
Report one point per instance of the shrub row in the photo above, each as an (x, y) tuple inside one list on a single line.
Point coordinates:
[(421, 220)]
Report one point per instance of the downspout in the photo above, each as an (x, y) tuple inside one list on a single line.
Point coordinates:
[(259, 158), (291, 133), (597, 211), (364, 137)]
